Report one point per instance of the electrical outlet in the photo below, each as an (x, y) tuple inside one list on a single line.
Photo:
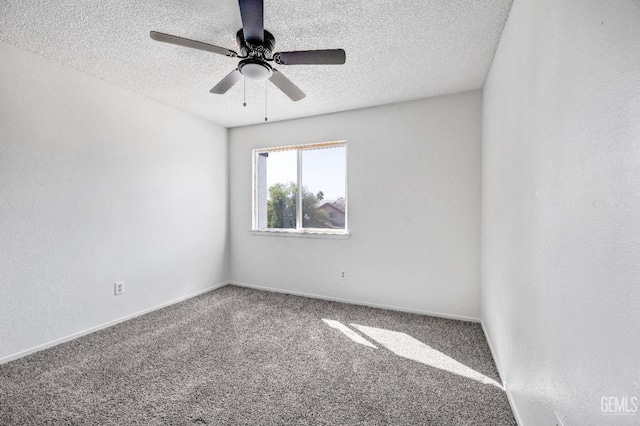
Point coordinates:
[(118, 288), (343, 275)]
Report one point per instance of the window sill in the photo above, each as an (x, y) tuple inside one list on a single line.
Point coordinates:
[(337, 235)]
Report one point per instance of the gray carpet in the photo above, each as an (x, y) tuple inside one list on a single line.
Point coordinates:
[(238, 356)]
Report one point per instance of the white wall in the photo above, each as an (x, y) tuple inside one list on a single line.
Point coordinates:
[(561, 208), (414, 209), (98, 184)]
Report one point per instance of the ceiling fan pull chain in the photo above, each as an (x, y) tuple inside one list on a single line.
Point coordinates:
[(265, 100), (244, 91)]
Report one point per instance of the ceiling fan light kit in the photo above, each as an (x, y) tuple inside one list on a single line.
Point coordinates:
[(255, 70), (256, 51)]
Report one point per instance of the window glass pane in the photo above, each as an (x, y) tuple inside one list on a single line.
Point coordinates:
[(276, 189), (322, 199), (323, 188)]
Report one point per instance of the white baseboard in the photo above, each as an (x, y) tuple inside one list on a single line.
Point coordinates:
[(105, 325), (357, 302), (505, 385)]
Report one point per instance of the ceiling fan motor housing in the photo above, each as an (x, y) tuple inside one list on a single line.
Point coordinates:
[(256, 51)]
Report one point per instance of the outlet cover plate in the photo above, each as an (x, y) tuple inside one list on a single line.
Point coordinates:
[(118, 288)]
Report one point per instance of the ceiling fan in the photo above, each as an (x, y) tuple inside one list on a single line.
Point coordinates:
[(256, 52)]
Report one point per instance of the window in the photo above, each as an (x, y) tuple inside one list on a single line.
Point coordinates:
[(301, 189)]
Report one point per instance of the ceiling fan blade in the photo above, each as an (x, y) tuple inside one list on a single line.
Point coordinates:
[(286, 85), (227, 83), (180, 41), (252, 14), (311, 57)]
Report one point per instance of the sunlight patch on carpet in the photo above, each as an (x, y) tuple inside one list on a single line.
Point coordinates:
[(407, 347), (349, 333)]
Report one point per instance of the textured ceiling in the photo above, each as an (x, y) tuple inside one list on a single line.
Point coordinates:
[(396, 50)]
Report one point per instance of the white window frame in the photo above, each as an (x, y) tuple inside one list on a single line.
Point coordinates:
[(299, 231)]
